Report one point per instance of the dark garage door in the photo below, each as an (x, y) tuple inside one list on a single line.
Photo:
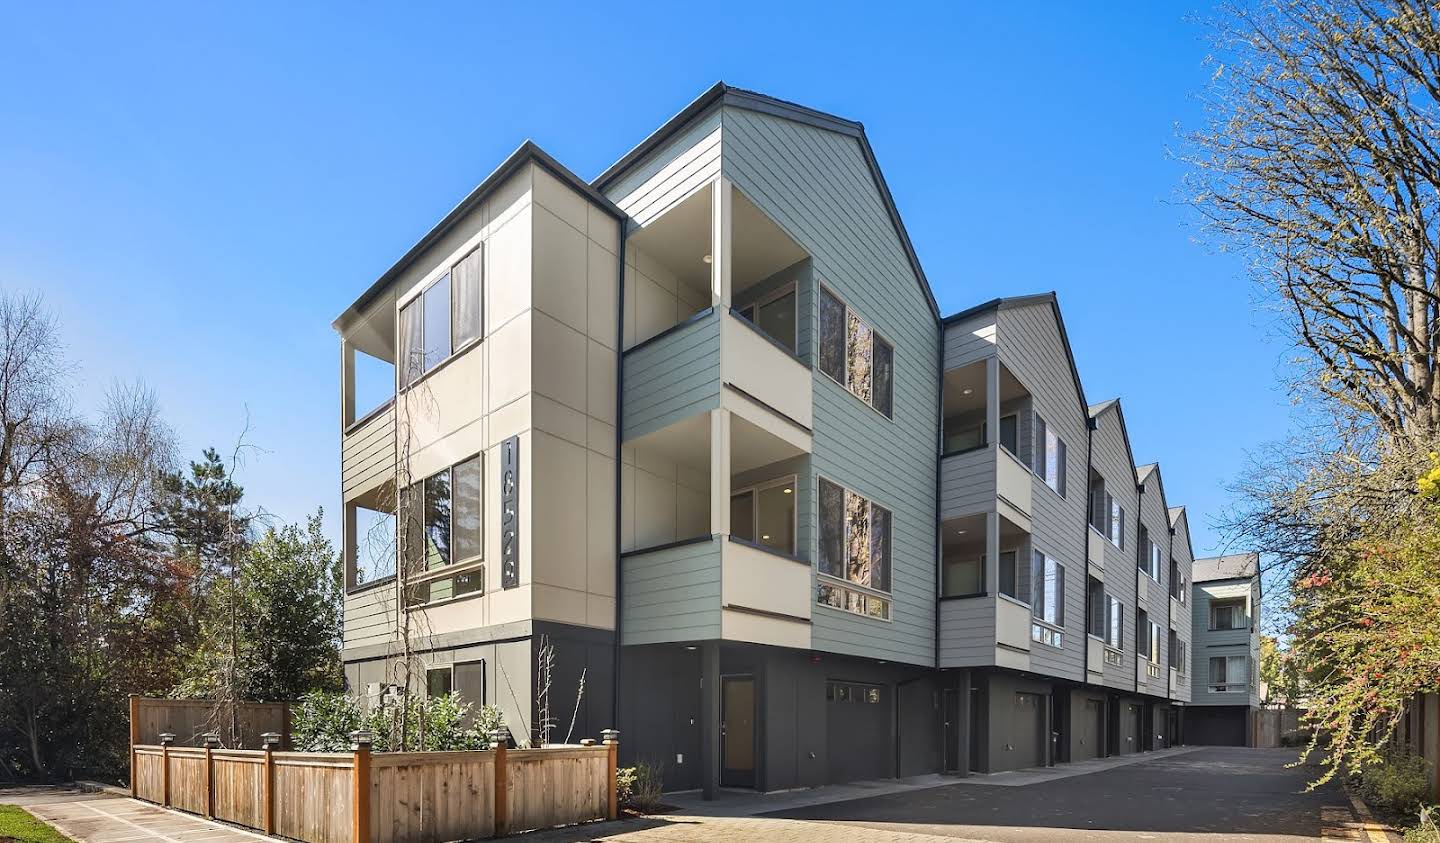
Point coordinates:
[(1216, 725), (1028, 720), (858, 731), (1090, 720)]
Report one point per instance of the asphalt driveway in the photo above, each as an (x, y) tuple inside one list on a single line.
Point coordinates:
[(1210, 794)]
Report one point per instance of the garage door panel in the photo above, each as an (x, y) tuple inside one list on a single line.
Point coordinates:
[(858, 721)]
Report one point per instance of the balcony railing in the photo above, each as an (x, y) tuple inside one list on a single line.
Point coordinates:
[(367, 452), (674, 374), (766, 370)]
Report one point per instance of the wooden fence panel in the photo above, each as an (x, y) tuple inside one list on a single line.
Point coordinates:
[(313, 796), (557, 786), (431, 797), (188, 779), (149, 774), (239, 781), (189, 720)]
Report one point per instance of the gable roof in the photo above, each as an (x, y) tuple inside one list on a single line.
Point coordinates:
[(1232, 567), (1098, 410), (1006, 302), (1143, 474), (721, 94), (527, 152), (1180, 527)]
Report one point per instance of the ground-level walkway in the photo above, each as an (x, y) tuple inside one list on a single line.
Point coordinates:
[(1189, 795)]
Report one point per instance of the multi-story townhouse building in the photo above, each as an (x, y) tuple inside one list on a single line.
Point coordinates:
[(1226, 624), (699, 425)]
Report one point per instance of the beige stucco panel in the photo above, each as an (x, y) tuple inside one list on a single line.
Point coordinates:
[(754, 579), (755, 365), (560, 268), (758, 629), (599, 524), (558, 361), (559, 550), (508, 270)]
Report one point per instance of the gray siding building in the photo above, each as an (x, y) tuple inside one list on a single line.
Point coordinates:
[(1226, 624), (699, 424)]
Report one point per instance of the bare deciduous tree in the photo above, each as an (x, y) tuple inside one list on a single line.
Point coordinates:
[(1322, 162)]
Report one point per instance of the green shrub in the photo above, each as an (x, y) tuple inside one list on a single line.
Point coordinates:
[(1397, 781), (323, 723), (639, 787), (1426, 831)]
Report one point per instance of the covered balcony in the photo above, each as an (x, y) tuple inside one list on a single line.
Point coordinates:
[(713, 292), (987, 588), (986, 442), (367, 400), (712, 542)]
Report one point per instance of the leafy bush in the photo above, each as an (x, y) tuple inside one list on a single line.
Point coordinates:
[(639, 787), (1397, 781), (1426, 831), (323, 723)]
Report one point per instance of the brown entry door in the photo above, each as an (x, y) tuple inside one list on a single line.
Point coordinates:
[(737, 731)]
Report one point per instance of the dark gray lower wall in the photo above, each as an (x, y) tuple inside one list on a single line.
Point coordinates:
[(511, 680), (1217, 725), (1086, 736), (1014, 733), (803, 738)]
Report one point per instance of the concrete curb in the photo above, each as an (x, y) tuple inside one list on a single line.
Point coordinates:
[(97, 787), (1375, 831)]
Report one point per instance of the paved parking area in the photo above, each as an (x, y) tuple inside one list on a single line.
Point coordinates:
[(1206, 795), (107, 818)]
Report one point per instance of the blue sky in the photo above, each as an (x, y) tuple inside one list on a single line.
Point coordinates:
[(199, 189)]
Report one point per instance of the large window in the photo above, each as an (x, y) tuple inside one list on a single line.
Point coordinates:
[(1227, 614), (1049, 453), (1177, 653), (775, 315), (441, 320), (765, 515), (439, 682), (445, 550), (1179, 588), (855, 547), (1047, 599), (1229, 674), (855, 356)]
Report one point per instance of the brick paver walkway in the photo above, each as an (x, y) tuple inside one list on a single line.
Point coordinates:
[(106, 818)]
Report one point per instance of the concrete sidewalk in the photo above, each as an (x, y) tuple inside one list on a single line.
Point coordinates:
[(90, 817)]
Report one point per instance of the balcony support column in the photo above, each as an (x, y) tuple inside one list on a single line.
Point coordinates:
[(720, 472), (992, 553), (720, 240), (347, 384), (992, 400)]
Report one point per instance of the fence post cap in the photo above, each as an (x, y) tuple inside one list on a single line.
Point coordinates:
[(361, 739), (167, 738), (269, 740), (212, 739), (500, 736), (587, 741), (610, 736)]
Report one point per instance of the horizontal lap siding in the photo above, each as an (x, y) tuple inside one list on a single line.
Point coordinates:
[(969, 341), (671, 594), (1157, 594), (817, 186), (671, 173), (1220, 642), (967, 632), (370, 616), (367, 455), (1183, 621), (1032, 349), (1111, 459), (967, 483), (672, 378)]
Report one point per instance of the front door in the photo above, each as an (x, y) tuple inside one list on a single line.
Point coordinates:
[(952, 730), (737, 731)]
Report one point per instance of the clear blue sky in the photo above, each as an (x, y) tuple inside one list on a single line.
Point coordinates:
[(199, 189)]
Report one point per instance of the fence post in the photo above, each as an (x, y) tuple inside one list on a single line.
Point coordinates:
[(611, 739), (166, 738), (360, 777), (269, 740), (212, 740), (134, 738), (499, 743)]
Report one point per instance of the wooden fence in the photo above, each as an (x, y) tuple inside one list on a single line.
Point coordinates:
[(390, 797), (190, 720)]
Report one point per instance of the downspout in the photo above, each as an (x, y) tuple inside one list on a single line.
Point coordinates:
[(939, 460), (619, 422), (1139, 507), (1085, 538)]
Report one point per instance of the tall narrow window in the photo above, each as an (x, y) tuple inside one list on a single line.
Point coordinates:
[(1117, 523), (467, 278), (832, 336), (1047, 589), (412, 344), (1142, 632), (1115, 624), (437, 520), (858, 357), (1049, 456), (1095, 594), (437, 322), (1010, 433), (1010, 574), (832, 529), (467, 517), (884, 377)]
